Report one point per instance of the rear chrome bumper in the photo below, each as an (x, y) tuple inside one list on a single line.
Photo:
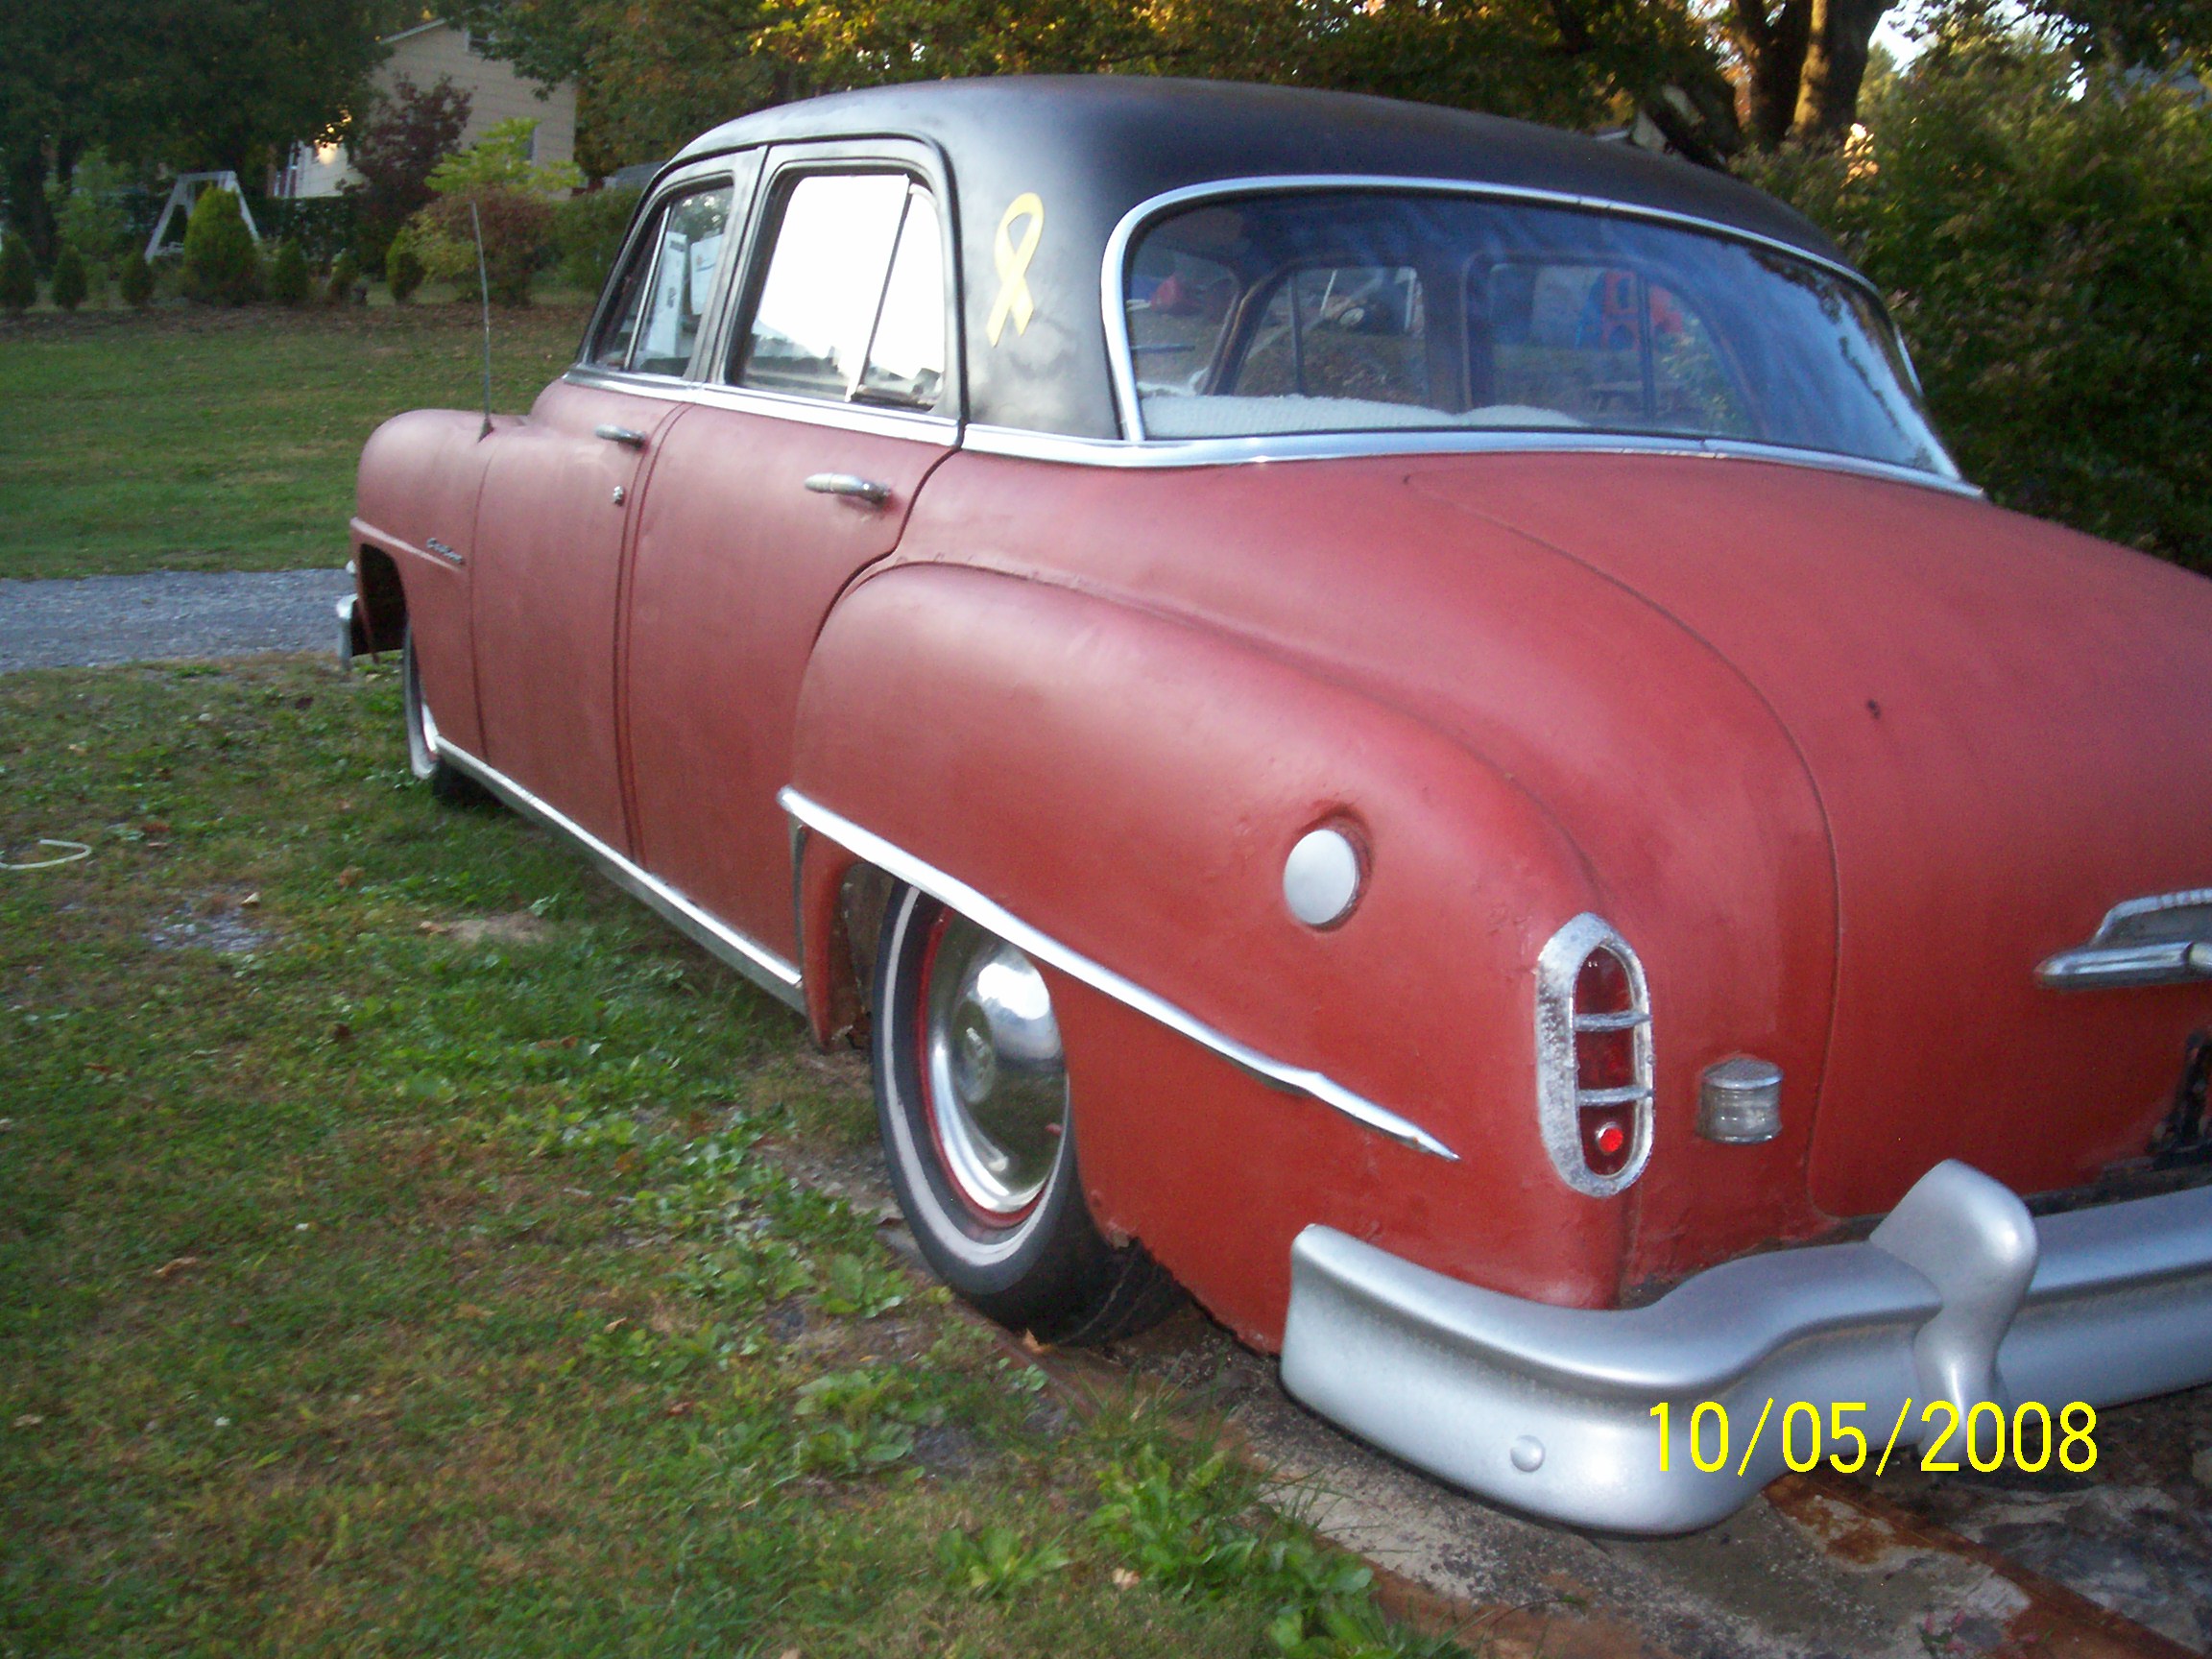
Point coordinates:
[(1958, 1295)]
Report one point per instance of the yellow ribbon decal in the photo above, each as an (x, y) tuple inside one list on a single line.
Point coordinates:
[(1014, 264)]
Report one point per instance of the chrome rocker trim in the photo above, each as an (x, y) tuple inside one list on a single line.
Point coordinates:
[(984, 912), (756, 962), (1958, 1295)]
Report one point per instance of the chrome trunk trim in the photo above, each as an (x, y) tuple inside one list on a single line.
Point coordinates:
[(756, 962), (996, 918), (1960, 1296)]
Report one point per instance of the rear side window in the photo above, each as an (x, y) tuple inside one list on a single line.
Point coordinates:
[(852, 306), (662, 293)]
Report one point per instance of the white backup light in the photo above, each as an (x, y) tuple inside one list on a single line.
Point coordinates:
[(1321, 877)]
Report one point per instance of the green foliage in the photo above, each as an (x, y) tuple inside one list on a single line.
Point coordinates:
[(288, 277), (345, 277), (137, 279), (89, 215), (18, 276), (222, 266), (2048, 247), (517, 228), (996, 1563), (500, 160), (403, 271), (587, 234), (69, 284)]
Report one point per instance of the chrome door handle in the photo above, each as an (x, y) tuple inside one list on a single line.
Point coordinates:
[(628, 437), (847, 484)]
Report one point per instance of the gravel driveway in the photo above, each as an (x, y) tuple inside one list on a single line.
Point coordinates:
[(101, 619)]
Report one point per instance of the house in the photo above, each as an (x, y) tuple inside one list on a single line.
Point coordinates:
[(423, 55)]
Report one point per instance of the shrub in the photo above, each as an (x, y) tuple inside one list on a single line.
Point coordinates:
[(222, 266), (2047, 243), (18, 276), (137, 280), (69, 284), (517, 230), (288, 279), (587, 234), (403, 271), (344, 274)]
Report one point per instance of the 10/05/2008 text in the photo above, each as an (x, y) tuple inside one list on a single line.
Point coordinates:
[(1986, 1434)]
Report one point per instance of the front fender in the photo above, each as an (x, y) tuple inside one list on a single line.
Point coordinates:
[(1129, 786)]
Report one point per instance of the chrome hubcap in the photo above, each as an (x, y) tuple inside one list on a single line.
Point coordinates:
[(991, 1068)]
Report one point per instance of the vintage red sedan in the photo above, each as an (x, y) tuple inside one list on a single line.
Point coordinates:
[(1395, 715)]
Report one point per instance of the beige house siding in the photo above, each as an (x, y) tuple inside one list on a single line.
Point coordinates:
[(421, 56)]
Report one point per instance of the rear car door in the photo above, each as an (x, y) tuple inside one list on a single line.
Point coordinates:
[(836, 397), (560, 497)]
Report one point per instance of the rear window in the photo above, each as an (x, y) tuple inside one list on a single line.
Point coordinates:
[(1371, 311)]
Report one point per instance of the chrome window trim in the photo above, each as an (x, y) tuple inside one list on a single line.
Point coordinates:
[(918, 424), (952, 891), (1120, 359), (1559, 1097), (1171, 452), (755, 961)]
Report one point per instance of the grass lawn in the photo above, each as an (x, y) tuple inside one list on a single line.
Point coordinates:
[(393, 1255), (189, 439)]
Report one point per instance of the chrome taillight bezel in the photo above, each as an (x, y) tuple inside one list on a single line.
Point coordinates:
[(1559, 1094)]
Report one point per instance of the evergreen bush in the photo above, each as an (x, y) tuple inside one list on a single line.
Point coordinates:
[(69, 283), (288, 279), (18, 276), (137, 280), (222, 266), (344, 274), (403, 271)]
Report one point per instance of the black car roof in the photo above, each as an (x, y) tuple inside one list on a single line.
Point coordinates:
[(1090, 148)]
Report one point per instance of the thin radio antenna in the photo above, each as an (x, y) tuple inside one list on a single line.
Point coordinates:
[(484, 294)]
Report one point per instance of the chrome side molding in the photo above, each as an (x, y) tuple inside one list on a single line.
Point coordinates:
[(2165, 939), (986, 913), (719, 939)]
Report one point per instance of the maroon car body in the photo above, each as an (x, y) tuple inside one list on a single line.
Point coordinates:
[(1739, 833)]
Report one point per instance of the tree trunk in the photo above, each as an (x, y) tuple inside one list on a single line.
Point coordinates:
[(1834, 66), (1774, 50)]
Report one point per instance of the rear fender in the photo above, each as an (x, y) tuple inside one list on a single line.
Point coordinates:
[(1129, 786)]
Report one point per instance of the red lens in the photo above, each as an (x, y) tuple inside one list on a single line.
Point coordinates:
[(1608, 1134), (1604, 1059), (1601, 987)]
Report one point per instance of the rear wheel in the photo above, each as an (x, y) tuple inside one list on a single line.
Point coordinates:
[(445, 782), (972, 1099)]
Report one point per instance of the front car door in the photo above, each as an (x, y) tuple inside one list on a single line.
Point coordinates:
[(561, 492), (836, 396)]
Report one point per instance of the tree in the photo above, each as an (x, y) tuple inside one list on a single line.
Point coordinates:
[(652, 73), (1804, 62), (174, 82), (404, 134)]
